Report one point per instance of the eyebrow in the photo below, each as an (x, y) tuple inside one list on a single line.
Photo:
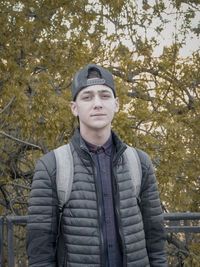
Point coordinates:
[(99, 91)]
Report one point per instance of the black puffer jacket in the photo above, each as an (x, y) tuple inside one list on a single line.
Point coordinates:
[(141, 229)]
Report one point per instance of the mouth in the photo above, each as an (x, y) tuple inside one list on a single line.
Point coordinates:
[(98, 115)]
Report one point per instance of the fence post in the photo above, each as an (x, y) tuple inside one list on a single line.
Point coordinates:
[(10, 237), (11, 221), (1, 240)]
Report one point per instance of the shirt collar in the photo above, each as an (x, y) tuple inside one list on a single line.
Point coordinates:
[(106, 148)]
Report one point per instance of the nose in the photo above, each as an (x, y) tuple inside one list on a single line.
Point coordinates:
[(97, 102)]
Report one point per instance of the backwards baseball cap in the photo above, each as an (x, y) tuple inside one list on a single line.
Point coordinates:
[(81, 79)]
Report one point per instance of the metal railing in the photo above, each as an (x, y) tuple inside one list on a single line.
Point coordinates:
[(172, 225), (173, 221)]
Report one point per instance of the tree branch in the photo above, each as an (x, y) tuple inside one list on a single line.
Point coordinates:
[(177, 243), (22, 186), (143, 130), (7, 106), (20, 141)]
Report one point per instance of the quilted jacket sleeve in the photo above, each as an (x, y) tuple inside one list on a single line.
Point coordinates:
[(42, 222), (152, 214)]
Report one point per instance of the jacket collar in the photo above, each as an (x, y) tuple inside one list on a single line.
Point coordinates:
[(82, 149)]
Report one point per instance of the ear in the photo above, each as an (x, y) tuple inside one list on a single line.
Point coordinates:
[(74, 108), (116, 104)]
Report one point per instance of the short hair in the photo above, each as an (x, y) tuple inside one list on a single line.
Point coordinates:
[(93, 73)]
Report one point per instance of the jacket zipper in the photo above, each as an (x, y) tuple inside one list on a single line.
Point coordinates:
[(100, 219), (117, 200)]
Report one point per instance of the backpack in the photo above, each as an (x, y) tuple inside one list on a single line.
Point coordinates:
[(65, 171), (64, 181)]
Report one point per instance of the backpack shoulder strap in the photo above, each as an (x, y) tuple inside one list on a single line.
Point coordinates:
[(64, 173), (135, 168)]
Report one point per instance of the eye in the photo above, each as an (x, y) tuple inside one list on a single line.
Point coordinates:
[(86, 97), (106, 96)]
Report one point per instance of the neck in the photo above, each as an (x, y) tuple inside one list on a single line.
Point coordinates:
[(96, 137)]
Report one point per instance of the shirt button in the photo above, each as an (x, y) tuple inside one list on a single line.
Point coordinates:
[(99, 150), (107, 219), (110, 245)]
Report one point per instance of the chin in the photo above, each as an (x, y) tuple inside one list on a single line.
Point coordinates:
[(98, 126)]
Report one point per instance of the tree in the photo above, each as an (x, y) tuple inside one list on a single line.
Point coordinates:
[(44, 42)]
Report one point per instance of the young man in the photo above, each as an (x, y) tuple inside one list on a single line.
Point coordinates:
[(104, 223)]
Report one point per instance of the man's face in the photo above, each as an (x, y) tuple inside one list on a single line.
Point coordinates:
[(95, 105)]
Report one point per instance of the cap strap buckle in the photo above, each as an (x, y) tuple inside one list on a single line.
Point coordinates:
[(95, 81)]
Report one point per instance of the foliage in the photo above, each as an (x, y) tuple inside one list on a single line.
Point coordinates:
[(43, 43)]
